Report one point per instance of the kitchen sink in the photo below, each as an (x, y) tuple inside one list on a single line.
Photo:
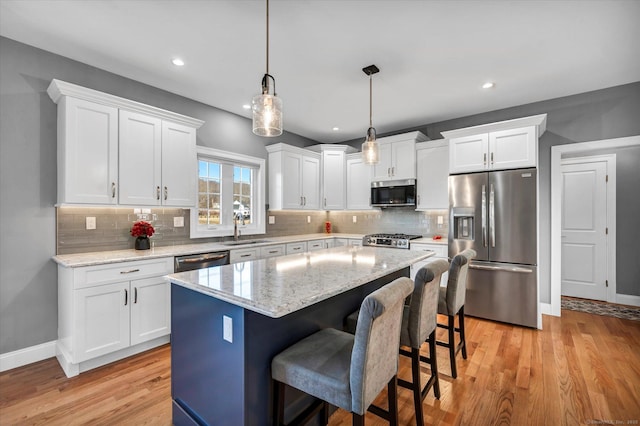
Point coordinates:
[(241, 242)]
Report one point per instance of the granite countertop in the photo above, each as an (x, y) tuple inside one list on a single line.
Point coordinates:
[(114, 256), (279, 286)]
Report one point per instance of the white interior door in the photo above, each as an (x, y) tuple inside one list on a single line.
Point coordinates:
[(584, 225)]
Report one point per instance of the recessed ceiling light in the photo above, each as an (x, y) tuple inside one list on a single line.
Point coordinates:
[(177, 62), (335, 129), (246, 106), (488, 85)]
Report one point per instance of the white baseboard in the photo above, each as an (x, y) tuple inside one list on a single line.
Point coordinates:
[(628, 299), (545, 309), (15, 359)]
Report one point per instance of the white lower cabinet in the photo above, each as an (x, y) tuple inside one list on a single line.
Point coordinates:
[(108, 312), (314, 245), (353, 242), (244, 254), (273, 251), (441, 251), (299, 247)]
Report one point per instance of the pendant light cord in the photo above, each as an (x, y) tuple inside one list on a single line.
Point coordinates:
[(267, 37), (370, 101)]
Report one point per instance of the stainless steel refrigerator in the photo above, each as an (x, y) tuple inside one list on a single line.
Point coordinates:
[(495, 213)]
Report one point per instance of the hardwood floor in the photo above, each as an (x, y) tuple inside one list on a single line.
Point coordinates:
[(580, 369)]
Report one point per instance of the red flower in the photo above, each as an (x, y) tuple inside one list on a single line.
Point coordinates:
[(142, 229)]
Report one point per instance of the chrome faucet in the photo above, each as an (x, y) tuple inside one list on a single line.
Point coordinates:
[(236, 231)]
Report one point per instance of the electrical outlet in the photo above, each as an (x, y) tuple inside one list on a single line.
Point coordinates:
[(272, 220), (90, 222), (227, 328), (355, 219), (308, 219), (440, 220), (178, 222)]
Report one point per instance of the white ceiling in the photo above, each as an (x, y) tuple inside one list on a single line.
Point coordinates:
[(433, 55)]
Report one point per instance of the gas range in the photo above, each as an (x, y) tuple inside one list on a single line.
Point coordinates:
[(400, 241)]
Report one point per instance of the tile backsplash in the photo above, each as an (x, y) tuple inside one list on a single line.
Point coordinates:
[(113, 225)]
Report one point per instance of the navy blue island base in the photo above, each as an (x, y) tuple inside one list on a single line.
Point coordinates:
[(216, 382)]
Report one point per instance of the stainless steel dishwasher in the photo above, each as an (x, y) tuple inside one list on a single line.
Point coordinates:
[(200, 260)]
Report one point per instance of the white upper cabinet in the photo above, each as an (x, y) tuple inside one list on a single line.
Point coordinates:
[(179, 165), (508, 144), (87, 152), (358, 185), (432, 164), (397, 157), (140, 159), (115, 151), (333, 177), (294, 178)]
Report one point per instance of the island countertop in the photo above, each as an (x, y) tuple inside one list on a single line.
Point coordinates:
[(279, 286)]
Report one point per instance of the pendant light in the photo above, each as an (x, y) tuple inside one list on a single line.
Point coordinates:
[(267, 108), (370, 152)]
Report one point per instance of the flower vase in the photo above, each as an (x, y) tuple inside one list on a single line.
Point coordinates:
[(142, 243)]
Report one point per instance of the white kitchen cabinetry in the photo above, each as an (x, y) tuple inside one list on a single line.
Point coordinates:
[(504, 145), (397, 157), (441, 252), (115, 151), (87, 152), (299, 247), (432, 164), (242, 255), (333, 178), (358, 184), (314, 245), (353, 242), (273, 251), (294, 178), (108, 312)]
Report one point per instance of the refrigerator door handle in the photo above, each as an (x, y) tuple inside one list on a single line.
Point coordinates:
[(501, 268), (492, 217), (484, 216)]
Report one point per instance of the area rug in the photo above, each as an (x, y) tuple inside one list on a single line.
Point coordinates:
[(600, 308)]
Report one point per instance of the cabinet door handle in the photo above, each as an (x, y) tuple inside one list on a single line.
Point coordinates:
[(305, 201), (492, 158), (130, 271), (418, 199), (135, 295), (245, 255), (273, 252), (325, 202), (113, 190), (126, 297), (393, 171), (389, 171), (157, 192), (301, 201), (484, 159), (166, 193)]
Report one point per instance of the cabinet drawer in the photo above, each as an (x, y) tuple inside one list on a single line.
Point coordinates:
[(242, 255), (90, 276), (440, 249), (316, 245), (297, 247), (272, 251)]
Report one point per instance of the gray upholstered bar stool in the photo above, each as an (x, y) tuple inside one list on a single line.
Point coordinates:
[(451, 303), (419, 321), (347, 370)]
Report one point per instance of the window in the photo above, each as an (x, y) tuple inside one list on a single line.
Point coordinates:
[(230, 189)]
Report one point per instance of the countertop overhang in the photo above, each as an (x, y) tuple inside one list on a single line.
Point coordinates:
[(279, 286)]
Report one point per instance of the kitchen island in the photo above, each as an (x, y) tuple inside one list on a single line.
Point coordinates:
[(229, 321)]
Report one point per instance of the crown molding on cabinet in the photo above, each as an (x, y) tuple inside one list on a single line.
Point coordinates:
[(535, 120), (59, 88)]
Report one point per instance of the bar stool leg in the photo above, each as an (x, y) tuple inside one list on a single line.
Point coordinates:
[(452, 345), (416, 387), (278, 403), (433, 363), (392, 393), (462, 338)]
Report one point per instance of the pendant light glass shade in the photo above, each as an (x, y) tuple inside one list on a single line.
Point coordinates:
[(370, 151), (267, 107), (267, 115)]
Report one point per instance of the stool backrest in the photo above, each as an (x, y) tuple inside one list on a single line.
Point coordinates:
[(374, 359), (421, 314), (457, 283)]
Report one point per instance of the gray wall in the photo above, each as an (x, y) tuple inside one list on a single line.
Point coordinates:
[(28, 277), (602, 114)]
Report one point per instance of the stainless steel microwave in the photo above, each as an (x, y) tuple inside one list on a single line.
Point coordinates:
[(393, 193)]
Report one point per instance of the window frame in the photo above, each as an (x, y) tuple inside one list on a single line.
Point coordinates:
[(258, 213)]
